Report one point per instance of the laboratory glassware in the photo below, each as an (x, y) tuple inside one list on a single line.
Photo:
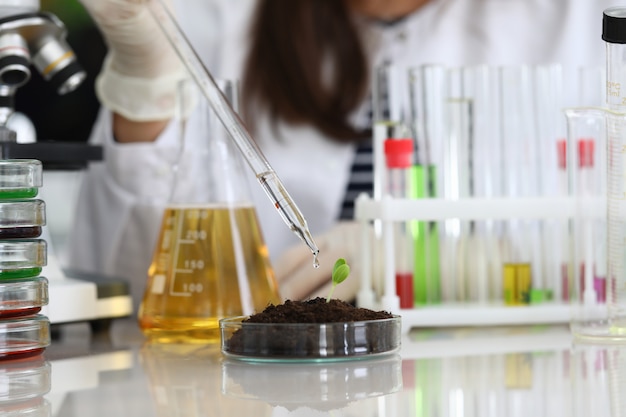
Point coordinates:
[(389, 120), (549, 128), (389, 116), (426, 104), (24, 337), (614, 34), (23, 292), (591, 160), (457, 184), (22, 296), (593, 317), (210, 260), (484, 264), (520, 269), (234, 125), (399, 158), (309, 341)]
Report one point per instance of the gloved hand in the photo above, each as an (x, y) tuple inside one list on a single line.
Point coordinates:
[(141, 73), (299, 280)]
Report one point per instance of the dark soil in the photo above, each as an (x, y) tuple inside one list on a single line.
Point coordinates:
[(316, 310), (298, 333)]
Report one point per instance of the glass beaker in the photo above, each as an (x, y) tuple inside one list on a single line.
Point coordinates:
[(210, 259)]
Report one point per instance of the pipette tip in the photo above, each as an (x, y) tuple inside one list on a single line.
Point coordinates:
[(316, 262)]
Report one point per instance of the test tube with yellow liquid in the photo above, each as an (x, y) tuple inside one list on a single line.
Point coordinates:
[(520, 180), (517, 283), (210, 260)]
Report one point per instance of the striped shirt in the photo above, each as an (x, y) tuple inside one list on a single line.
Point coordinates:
[(361, 178)]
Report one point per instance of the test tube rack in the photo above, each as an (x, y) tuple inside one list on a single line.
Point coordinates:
[(388, 210)]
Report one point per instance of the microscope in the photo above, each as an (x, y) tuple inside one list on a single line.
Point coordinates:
[(34, 40)]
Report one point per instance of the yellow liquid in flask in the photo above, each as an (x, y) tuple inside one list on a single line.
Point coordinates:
[(210, 262)]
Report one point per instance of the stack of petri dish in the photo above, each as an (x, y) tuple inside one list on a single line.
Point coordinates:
[(24, 331)]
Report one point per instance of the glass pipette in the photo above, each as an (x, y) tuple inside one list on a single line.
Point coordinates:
[(234, 125)]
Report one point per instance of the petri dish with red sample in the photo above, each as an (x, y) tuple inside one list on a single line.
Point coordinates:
[(24, 337), (22, 297)]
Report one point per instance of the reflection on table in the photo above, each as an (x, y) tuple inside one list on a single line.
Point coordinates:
[(526, 371)]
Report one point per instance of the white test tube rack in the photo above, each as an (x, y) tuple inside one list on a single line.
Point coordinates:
[(389, 210)]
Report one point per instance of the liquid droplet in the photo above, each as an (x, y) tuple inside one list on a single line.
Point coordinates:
[(316, 262)]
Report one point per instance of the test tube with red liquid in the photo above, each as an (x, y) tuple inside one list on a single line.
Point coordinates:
[(399, 160)]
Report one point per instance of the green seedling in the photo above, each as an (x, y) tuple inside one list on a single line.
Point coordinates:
[(341, 270)]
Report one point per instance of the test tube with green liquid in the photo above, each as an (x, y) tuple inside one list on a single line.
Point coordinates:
[(427, 85), (426, 277)]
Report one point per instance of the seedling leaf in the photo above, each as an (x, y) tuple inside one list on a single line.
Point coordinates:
[(340, 274), (341, 271)]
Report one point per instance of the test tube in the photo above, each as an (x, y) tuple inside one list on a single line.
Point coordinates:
[(484, 263), (480, 170), (427, 100), (563, 238), (389, 118), (389, 121), (521, 180), (399, 159), (587, 166), (585, 240), (458, 183), (548, 127)]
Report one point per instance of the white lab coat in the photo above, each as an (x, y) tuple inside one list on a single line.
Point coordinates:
[(119, 208)]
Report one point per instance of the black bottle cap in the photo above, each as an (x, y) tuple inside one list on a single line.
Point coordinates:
[(614, 25)]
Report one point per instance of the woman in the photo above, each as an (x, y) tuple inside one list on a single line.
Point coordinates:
[(305, 67)]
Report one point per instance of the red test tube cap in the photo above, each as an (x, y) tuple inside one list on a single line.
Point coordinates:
[(399, 153)]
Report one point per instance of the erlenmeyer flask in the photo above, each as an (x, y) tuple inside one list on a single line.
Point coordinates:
[(210, 259)]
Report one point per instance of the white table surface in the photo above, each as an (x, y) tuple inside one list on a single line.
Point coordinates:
[(507, 371)]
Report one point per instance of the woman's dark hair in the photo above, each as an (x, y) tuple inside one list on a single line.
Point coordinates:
[(293, 42)]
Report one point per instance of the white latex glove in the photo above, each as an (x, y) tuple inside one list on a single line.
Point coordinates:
[(141, 72), (299, 280)]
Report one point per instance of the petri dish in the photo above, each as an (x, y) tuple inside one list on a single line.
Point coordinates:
[(22, 297), (20, 178), (25, 382), (309, 342), (21, 218), (24, 337), (22, 258)]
